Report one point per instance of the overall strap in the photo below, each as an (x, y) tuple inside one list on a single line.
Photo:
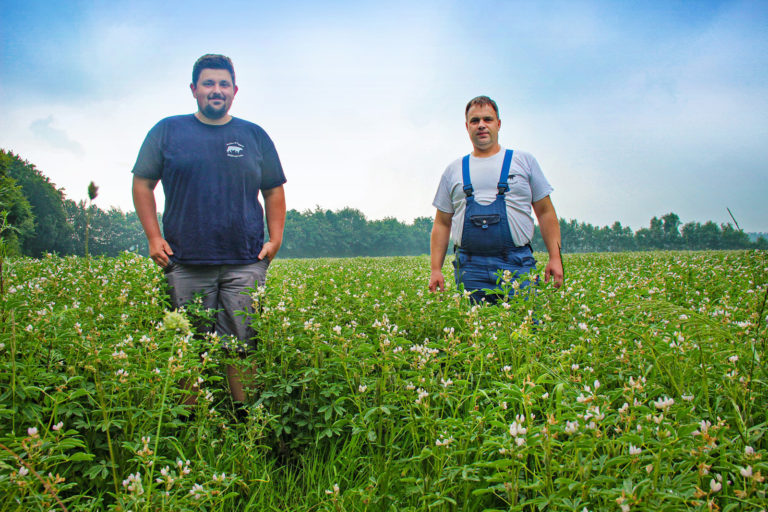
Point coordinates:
[(468, 190), (503, 185)]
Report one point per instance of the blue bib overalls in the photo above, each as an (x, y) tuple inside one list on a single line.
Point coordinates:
[(487, 246)]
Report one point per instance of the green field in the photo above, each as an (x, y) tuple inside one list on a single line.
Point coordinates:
[(640, 385)]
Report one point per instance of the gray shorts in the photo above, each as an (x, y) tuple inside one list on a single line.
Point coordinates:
[(223, 288)]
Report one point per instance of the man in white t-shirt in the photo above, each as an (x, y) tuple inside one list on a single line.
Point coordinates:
[(484, 203)]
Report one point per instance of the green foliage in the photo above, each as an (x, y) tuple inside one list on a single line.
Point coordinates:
[(347, 233), (51, 231), (639, 384), (18, 221), (110, 232), (662, 234)]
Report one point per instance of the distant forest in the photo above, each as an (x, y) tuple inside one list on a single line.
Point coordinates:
[(36, 218)]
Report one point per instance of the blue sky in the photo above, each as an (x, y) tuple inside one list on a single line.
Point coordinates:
[(633, 109)]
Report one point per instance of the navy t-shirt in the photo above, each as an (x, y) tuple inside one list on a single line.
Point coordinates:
[(211, 176)]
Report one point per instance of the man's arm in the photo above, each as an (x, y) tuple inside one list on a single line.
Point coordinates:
[(274, 207), (438, 246), (550, 232), (146, 210)]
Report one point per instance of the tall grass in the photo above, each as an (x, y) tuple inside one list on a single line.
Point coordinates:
[(640, 385)]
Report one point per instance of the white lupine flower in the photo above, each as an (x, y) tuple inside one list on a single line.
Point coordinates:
[(634, 450), (746, 472), (362, 388), (516, 429), (704, 425), (197, 491), (32, 431), (715, 485), (23, 471), (571, 427), (664, 403)]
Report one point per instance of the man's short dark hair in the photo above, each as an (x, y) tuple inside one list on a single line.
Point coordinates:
[(212, 61), (481, 101)]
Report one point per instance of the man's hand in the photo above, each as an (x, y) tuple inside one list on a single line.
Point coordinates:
[(550, 232), (146, 210), (274, 208), (269, 250), (438, 246), (436, 281), (159, 250), (554, 271)]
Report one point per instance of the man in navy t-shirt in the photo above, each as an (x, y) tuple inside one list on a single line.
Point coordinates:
[(212, 167)]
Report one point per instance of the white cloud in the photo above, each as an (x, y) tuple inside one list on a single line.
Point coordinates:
[(45, 133)]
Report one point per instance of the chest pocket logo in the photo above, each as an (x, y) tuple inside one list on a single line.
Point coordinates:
[(235, 150)]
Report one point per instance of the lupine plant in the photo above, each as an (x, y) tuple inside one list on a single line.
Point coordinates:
[(638, 386)]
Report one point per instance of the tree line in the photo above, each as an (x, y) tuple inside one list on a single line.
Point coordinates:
[(37, 218)]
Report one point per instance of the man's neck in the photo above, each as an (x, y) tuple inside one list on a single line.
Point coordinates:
[(485, 153), (216, 122)]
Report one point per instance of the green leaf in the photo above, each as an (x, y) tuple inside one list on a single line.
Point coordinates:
[(80, 456)]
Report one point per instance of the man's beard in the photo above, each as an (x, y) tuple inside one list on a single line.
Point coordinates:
[(212, 112)]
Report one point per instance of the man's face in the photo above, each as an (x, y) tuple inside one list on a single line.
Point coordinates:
[(483, 127), (214, 92)]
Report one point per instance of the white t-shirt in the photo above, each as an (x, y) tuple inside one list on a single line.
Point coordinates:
[(527, 185)]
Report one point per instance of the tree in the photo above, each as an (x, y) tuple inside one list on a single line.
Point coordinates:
[(17, 217), (51, 231), (671, 228)]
